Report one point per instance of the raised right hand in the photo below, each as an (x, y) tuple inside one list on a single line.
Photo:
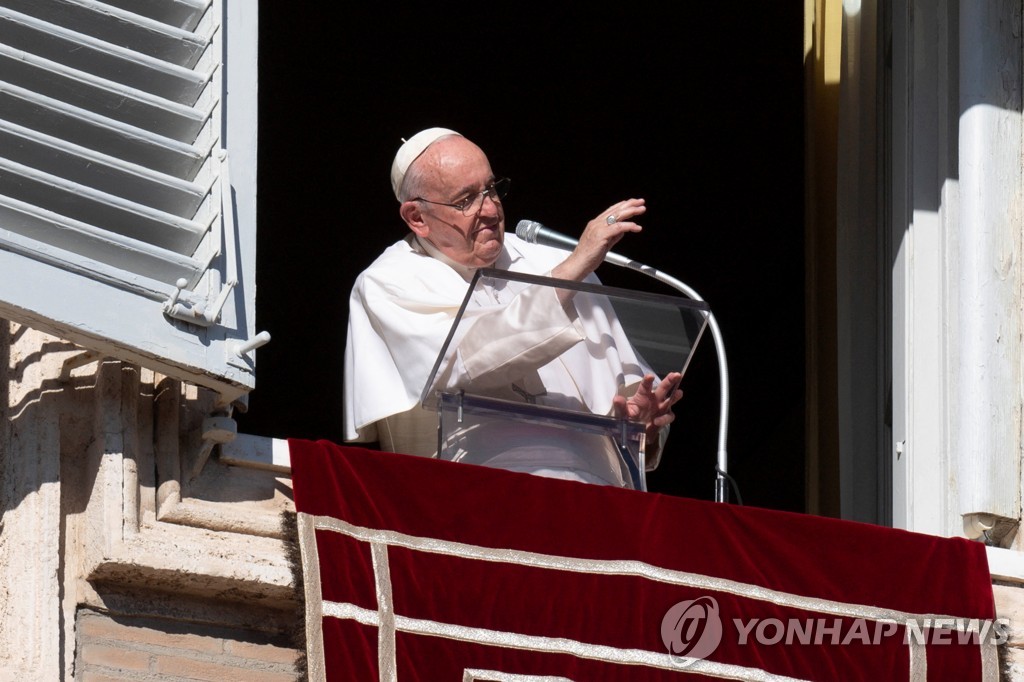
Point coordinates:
[(598, 238)]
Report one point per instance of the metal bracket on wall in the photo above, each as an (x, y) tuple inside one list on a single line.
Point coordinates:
[(217, 430)]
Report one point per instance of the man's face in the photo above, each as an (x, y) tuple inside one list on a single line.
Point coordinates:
[(454, 170)]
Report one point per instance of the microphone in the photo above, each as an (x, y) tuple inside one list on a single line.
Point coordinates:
[(533, 232)]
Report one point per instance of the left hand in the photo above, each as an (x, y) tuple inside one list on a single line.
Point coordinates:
[(649, 405)]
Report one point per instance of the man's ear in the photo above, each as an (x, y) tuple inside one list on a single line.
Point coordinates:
[(413, 217)]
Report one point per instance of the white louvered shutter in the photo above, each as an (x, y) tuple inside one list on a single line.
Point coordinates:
[(119, 121)]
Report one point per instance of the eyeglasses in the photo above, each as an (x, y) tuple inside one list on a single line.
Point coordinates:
[(472, 203)]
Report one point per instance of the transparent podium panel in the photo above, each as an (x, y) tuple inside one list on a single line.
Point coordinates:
[(522, 437), (532, 365)]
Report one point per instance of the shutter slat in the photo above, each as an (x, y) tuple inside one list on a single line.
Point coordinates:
[(99, 96), (91, 206), (57, 239), (117, 27), (92, 131), (101, 171), (184, 14), (104, 60)]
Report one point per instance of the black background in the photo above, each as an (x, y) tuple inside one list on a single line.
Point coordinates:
[(698, 110)]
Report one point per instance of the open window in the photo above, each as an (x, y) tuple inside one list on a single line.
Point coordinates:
[(128, 181)]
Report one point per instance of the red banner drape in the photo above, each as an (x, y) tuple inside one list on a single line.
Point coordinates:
[(419, 569)]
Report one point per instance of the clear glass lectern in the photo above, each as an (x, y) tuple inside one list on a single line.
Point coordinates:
[(527, 376)]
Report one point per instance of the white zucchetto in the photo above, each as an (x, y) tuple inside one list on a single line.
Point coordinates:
[(411, 150)]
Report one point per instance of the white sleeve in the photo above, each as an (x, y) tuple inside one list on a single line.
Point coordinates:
[(503, 343), (399, 317)]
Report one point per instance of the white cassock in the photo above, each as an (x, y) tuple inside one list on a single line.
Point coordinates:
[(519, 344)]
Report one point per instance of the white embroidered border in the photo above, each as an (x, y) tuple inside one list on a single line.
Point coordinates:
[(306, 526), (475, 675), (386, 614), (631, 567), (989, 662), (918, 662), (379, 539), (556, 645)]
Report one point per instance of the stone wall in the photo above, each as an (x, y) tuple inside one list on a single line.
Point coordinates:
[(119, 517), (1010, 605)]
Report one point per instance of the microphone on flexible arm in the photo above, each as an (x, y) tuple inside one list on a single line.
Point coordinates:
[(533, 232)]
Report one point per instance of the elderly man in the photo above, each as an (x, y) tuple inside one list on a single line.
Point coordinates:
[(403, 306)]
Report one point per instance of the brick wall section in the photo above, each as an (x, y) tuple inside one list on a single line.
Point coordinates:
[(151, 649)]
